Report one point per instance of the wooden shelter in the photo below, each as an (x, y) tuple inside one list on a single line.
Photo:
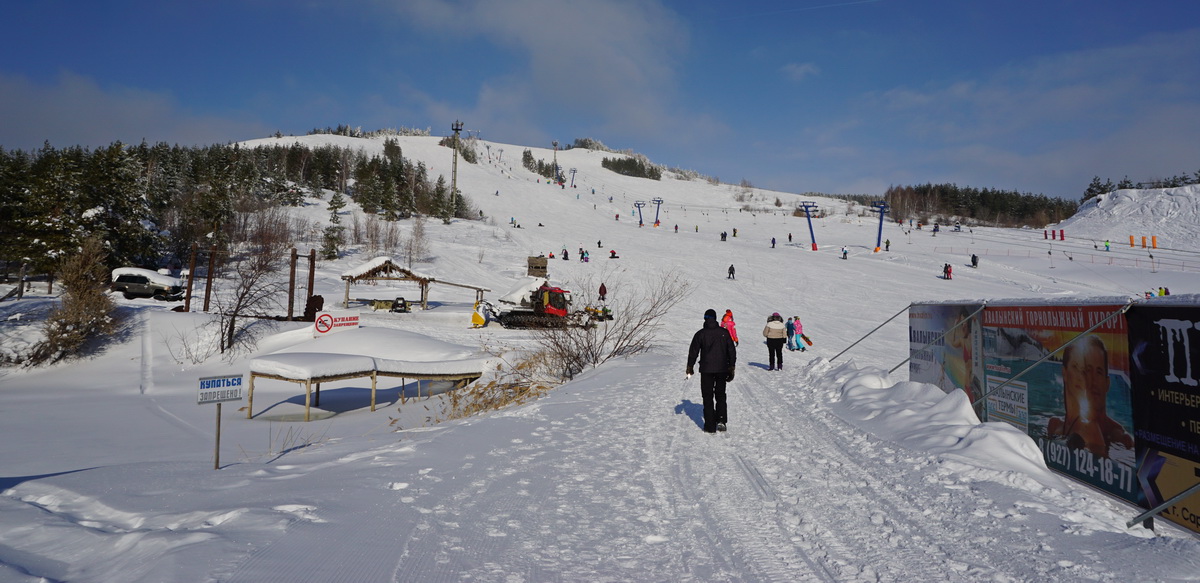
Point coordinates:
[(384, 269)]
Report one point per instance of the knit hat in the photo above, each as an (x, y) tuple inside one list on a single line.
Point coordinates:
[(710, 314), (776, 314)]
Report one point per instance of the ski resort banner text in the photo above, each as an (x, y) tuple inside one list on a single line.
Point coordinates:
[(1117, 408)]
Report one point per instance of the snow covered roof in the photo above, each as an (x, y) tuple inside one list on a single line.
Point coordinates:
[(387, 350), (382, 265), (154, 276)]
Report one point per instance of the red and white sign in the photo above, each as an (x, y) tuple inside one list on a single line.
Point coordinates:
[(330, 322)]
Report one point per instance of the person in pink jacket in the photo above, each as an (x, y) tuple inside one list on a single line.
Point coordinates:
[(728, 324), (798, 328)]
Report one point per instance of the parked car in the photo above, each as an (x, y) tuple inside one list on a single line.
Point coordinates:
[(134, 282)]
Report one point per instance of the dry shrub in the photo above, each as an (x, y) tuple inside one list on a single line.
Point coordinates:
[(513, 383)]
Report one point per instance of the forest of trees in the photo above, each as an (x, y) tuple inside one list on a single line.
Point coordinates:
[(151, 203), (1096, 188), (988, 206), (636, 166)]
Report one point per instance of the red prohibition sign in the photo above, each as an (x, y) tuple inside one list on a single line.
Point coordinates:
[(324, 323)]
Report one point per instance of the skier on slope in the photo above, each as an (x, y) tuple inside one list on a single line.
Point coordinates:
[(776, 334), (728, 324), (718, 357)]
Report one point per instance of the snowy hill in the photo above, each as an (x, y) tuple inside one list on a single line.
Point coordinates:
[(1168, 213), (833, 470)]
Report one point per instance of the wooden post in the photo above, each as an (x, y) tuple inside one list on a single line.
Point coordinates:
[(187, 299), (217, 448), (250, 399), (212, 262), (21, 282), (292, 286), (307, 397), (317, 400), (312, 274), (373, 375)]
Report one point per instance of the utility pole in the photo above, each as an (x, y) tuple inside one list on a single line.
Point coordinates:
[(457, 127)]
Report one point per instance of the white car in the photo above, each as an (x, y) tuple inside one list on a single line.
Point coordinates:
[(134, 282)]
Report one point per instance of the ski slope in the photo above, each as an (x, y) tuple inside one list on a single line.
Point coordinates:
[(832, 470)]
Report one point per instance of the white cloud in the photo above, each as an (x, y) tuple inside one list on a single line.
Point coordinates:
[(612, 62), (74, 110), (800, 71)]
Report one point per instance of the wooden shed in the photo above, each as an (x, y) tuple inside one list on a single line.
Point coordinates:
[(384, 269)]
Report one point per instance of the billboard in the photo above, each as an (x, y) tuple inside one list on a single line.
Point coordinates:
[(1067, 390), (1165, 368), (944, 346), (1111, 397)]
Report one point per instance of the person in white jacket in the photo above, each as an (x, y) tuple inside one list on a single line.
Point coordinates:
[(776, 335)]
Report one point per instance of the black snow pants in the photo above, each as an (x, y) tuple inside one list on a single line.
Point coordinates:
[(712, 391), (775, 352)]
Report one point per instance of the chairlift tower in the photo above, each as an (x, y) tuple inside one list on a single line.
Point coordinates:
[(808, 207), (639, 204), (881, 207), (657, 207), (572, 178)]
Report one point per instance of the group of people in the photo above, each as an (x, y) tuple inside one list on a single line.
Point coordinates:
[(1162, 291), (947, 271), (715, 345)]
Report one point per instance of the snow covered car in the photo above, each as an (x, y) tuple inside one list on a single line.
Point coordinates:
[(135, 282)]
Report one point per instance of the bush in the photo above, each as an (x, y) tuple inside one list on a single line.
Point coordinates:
[(86, 310), (635, 324)]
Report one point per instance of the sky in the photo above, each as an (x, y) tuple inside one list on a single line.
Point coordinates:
[(833, 468), (814, 95)]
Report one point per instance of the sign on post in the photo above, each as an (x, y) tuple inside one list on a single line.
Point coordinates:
[(331, 322), (218, 390)]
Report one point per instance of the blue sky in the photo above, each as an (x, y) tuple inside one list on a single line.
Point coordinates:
[(811, 95)]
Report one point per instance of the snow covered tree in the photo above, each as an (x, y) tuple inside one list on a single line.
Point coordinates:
[(85, 311)]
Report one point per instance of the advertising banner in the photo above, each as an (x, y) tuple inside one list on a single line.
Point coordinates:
[(952, 362), (1076, 404), (1165, 370)]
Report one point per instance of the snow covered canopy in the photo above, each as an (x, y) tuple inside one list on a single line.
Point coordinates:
[(366, 352), (384, 269)]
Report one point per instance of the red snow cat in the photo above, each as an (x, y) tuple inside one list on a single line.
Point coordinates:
[(537, 304)]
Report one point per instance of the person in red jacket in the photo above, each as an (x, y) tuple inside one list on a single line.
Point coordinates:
[(728, 324)]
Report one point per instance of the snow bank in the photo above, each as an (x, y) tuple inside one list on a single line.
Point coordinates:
[(922, 417), (1168, 213)]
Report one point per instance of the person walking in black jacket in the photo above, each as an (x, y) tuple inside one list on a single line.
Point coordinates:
[(718, 356)]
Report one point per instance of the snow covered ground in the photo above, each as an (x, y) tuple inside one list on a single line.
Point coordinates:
[(832, 470)]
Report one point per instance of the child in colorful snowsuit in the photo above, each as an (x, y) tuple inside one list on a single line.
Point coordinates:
[(799, 328), (791, 334), (728, 324)]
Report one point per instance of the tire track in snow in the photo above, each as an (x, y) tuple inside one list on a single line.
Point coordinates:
[(827, 520)]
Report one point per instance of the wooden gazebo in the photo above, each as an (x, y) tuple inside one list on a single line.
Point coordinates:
[(384, 269)]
